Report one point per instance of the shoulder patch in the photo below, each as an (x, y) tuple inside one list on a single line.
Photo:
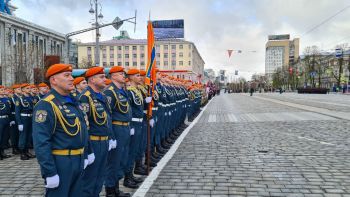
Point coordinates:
[(85, 107), (40, 116)]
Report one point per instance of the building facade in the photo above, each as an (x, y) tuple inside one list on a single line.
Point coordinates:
[(176, 57), (280, 51), (23, 49)]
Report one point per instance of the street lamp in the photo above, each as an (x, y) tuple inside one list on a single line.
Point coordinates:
[(98, 15)]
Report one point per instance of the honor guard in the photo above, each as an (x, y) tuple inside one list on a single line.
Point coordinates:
[(60, 135), (24, 113), (80, 84), (117, 166), (43, 89), (96, 107), (14, 133), (5, 113)]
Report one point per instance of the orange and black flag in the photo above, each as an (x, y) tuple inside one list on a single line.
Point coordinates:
[(150, 79)]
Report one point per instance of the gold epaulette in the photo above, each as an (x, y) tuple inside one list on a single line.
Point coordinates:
[(110, 88), (49, 98)]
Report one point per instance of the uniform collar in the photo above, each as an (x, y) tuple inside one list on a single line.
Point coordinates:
[(99, 96), (62, 99)]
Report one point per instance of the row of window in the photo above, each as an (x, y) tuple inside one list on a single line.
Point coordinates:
[(142, 47), (165, 55), (134, 64)]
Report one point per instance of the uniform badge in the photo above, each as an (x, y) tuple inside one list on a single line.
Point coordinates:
[(85, 107), (17, 103), (40, 116), (109, 99)]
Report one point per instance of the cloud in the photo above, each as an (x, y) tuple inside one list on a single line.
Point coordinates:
[(213, 25)]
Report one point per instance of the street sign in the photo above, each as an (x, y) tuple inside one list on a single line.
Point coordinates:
[(117, 23), (338, 53)]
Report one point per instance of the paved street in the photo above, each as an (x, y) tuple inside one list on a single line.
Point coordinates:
[(245, 146), (242, 146)]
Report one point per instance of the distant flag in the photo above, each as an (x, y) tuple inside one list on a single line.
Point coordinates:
[(236, 72), (229, 52), (150, 79), (239, 51)]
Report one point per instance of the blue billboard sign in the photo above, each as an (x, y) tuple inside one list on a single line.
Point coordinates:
[(4, 6), (168, 28)]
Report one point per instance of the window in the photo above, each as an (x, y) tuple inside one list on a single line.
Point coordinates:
[(173, 63), (181, 54), (134, 63), (181, 63), (189, 54), (134, 55), (165, 47), (89, 57), (104, 64), (126, 63), (119, 55), (158, 46), (89, 48), (142, 55), (165, 55), (119, 48), (104, 55), (165, 63), (173, 46), (134, 48), (111, 48), (111, 55), (142, 47), (126, 48), (119, 63), (189, 63), (158, 55), (142, 63), (111, 63), (189, 46), (126, 55), (181, 46), (173, 55)]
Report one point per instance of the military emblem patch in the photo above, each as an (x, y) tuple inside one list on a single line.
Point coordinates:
[(109, 99), (85, 107), (17, 103), (40, 116)]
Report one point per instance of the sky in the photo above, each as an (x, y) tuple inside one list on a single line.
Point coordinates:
[(213, 25)]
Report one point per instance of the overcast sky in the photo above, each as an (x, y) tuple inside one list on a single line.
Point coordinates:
[(213, 25)]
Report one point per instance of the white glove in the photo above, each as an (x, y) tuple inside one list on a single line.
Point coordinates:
[(12, 123), (114, 144), (52, 182), (86, 163), (170, 113), (91, 158), (20, 127), (148, 99), (151, 122), (132, 131)]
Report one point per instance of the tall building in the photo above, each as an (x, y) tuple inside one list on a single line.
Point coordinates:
[(176, 57), (280, 51), (24, 47)]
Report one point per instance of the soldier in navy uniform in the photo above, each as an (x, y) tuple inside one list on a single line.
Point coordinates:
[(60, 135), (117, 166), (24, 113), (14, 133), (43, 90), (80, 85), (5, 113), (102, 140), (137, 105)]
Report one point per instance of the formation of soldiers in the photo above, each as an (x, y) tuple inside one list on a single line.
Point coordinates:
[(92, 131)]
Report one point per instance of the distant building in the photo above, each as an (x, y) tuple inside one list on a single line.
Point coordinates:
[(280, 51), (23, 48), (176, 57)]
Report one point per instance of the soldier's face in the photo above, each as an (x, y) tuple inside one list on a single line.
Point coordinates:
[(99, 81), (63, 81), (82, 85), (34, 90), (43, 89), (119, 77), (18, 91), (26, 90)]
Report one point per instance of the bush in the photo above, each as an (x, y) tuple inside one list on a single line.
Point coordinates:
[(313, 90)]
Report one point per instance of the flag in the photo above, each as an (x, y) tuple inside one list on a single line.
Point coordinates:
[(229, 52), (150, 78)]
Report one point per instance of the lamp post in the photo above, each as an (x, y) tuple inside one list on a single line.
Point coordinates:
[(98, 15)]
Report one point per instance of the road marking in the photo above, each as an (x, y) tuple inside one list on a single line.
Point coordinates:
[(232, 118), (212, 118), (147, 183)]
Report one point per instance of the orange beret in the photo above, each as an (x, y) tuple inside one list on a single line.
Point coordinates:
[(108, 81), (94, 71), (133, 71), (25, 85), (142, 73), (42, 85), (58, 68), (78, 80), (2, 86), (157, 70), (116, 69), (15, 86)]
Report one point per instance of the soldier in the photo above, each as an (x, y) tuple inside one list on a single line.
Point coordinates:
[(34, 92), (5, 113), (43, 89), (137, 105), (121, 117), (60, 135), (24, 113), (80, 84), (14, 133), (95, 105)]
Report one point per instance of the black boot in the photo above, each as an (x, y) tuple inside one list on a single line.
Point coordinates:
[(110, 192), (15, 151), (139, 168), (30, 155), (119, 193), (128, 182), (160, 150), (136, 179), (24, 156), (3, 155)]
